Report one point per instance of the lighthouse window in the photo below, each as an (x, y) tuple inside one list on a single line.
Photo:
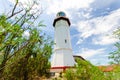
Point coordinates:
[(61, 14), (65, 41)]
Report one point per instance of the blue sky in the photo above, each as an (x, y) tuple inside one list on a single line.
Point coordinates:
[(92, 24)]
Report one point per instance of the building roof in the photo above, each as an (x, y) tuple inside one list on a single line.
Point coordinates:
[(108, 68), (80, 57)]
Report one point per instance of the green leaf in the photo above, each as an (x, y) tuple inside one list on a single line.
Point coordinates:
[(40, 24)]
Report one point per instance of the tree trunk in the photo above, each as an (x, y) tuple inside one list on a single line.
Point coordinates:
[(2, 67)]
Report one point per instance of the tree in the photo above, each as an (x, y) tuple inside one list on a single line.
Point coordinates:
[(26, 67), (115, 56), (24, 54)]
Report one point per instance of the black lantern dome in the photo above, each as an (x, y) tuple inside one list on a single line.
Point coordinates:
[(61, 14)]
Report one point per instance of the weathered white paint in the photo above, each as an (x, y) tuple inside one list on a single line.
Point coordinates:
[(61, 34)]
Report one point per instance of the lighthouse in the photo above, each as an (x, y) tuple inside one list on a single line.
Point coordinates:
[(62, 53)]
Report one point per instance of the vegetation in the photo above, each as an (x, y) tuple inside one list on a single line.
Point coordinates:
[(24, 51), (115, 56), (115, 74), (85, 71)]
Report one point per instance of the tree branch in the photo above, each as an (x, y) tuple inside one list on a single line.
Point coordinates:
[(18, 50), (14, 14), (13, 10), (14, 7), (24, 15)]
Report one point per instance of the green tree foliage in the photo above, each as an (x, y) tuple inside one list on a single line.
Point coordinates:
[(115, 59), (117, 33), (23, 56), (115, 56), (113, 74), (30, 64), (84, 71), (116, 73)]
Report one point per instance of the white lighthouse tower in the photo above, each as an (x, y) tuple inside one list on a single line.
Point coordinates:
[(63, 55)]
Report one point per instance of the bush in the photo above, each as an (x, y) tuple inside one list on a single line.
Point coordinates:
[(84, 70)]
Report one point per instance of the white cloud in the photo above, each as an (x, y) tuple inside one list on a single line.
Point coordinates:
[(88, 53), (66, 5), (100, 26), (52, 7), (84, 13), (22, 1), (27, 3), (104, 40), (103, 3), (79, 41), (95, 56), (100, 61)]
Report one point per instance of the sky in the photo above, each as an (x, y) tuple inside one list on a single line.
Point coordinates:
[(92, 24)]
